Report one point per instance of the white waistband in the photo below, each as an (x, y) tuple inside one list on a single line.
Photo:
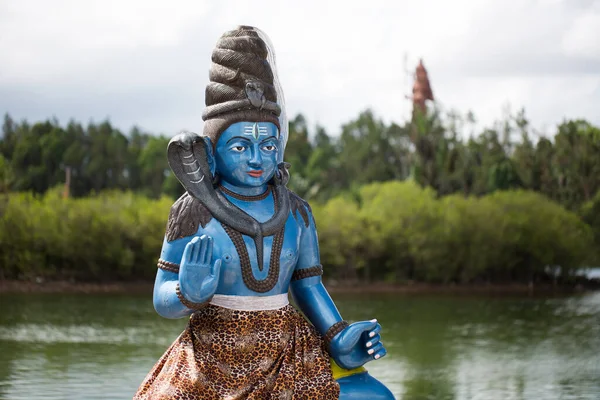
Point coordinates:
[(251, 303)]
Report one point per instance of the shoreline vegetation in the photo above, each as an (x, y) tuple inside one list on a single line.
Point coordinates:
[(429, 201), (393, 232)]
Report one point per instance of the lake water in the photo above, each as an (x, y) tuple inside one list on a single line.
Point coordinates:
[(440, 347)]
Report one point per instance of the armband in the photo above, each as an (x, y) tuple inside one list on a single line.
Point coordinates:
[(168, 266), (304, 273)]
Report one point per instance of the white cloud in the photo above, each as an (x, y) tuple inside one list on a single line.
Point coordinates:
[(583, 38), (147, 62), (550, 99)]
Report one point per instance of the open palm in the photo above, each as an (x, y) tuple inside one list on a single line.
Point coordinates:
[(198, 276)]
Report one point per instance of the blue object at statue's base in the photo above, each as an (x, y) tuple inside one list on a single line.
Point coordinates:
[(363, 386)]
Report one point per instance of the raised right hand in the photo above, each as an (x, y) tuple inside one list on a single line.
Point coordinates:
[(198, 279)]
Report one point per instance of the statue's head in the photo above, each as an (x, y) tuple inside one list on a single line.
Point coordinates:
[(244, 117), (246, 153)]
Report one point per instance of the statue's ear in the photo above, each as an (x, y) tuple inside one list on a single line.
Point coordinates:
[(210, 155)]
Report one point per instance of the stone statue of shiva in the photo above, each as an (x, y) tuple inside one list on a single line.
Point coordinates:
[(237, 242)]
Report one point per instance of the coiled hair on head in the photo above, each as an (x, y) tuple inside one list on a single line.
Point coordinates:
[(239, 58)]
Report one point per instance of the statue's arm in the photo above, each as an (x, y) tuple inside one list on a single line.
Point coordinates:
[(186, 278), (166, 302), (351, 346), (307, 288)]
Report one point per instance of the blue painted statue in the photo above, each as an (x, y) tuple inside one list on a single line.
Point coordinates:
[(236, 243)]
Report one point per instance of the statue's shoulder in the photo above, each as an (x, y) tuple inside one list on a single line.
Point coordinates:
[(186, 216), (300, 207)]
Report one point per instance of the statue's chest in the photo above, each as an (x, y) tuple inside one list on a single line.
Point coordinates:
[(240, 272)]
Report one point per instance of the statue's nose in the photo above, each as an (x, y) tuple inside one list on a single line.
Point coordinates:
[(256, 159)]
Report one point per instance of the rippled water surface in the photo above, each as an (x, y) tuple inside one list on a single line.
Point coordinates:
[(440, 347)]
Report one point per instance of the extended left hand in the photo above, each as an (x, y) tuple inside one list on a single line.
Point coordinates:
[(358, 344)]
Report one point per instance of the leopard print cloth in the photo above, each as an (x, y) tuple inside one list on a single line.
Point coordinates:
[(229, 354)]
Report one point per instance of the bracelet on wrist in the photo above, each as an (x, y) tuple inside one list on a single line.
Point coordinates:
[(189, 304), (334, 330)]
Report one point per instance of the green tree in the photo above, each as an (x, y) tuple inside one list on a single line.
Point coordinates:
[(9, 137), (107, 157), (6, 175), (137, 142), (76, 157), (153, 166), (297, 153), (322, 169), (577, 160), (27, 158), (369, 151)]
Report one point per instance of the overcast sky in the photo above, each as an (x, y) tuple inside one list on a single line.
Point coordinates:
[(146, 62)]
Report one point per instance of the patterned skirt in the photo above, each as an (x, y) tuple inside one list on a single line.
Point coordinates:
[(229, 354)]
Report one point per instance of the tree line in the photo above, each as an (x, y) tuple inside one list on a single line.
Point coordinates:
[(431, 199), (100, 157), (446, 154), (441, 152)]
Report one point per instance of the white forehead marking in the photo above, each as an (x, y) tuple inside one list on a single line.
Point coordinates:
[(255, 130)]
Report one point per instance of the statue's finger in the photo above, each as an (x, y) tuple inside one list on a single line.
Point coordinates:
[(202, 251), (365, 326), (370, 325), (379, 354), (187, 251), (375, 331), (373, 341), (216, 269), (209, 250), (375, 349), (193, 249)]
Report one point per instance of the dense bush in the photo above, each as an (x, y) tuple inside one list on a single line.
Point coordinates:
[(113, 235), (398, 231), (395, 231)]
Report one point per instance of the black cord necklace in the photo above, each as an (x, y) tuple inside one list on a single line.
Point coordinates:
[(260, 286)]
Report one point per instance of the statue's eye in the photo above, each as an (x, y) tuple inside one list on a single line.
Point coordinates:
[(239, 149), (269, 147)]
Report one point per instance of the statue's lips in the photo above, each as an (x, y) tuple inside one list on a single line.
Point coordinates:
[(255, 174)]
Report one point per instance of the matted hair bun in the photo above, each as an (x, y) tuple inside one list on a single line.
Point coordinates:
[(241, 86)]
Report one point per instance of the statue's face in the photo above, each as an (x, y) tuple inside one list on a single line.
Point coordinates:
[(246, 153)]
